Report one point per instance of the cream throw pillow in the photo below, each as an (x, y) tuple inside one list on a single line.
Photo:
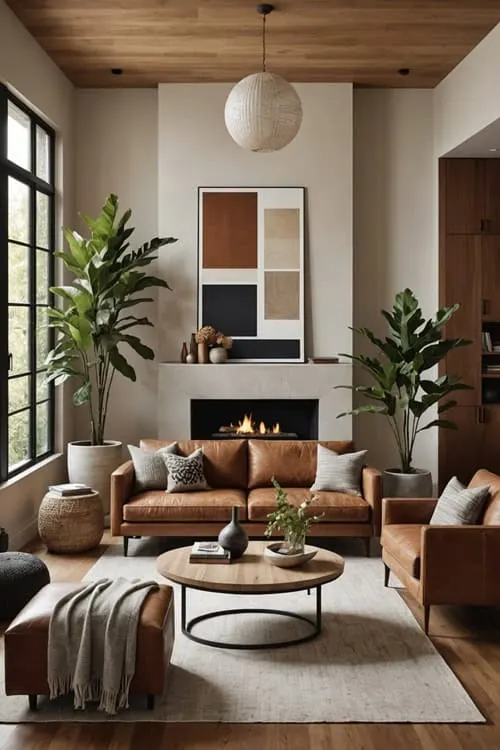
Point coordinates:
[(150, 467), (338, 472), (459, 505)]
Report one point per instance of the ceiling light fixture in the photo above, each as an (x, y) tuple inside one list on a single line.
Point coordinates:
[(263, 111)]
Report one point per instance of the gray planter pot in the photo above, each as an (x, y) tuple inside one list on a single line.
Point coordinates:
[(397, 484), (93, 465)]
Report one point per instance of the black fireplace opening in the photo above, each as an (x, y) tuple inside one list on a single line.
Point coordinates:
[(283, 419)]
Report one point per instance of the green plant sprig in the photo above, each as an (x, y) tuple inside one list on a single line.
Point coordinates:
[(292, 521)]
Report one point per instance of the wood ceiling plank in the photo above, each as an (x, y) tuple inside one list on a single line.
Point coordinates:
[(363, 41)]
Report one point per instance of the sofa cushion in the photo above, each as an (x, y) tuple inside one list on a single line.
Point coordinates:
[(491, 511), (185, 473), (225, 461), (336, 473), (402, 541), (335, 505), (291, 462), (458, 505), (208, 505), (150, 469)]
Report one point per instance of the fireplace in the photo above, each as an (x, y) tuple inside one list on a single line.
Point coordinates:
[(284, 419)]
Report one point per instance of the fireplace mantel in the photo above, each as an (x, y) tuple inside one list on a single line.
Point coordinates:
[(179, 383)]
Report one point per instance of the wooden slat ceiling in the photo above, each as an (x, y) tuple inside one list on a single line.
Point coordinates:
[(184, 41)]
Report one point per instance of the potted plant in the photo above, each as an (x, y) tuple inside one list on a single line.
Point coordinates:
[(95, 325), (292, 521), (404, 389)]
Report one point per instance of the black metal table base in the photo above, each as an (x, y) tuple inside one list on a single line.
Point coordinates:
[(187, 626)]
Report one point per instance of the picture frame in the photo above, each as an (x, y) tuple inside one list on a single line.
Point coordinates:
[(251, 270)]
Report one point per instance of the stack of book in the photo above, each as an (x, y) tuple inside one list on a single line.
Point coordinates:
[(66, 490), (209, 552)]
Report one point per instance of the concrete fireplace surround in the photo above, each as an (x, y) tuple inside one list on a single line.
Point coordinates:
[(179, 383)]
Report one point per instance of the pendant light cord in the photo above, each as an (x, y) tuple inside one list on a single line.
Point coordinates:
[(263, 43)]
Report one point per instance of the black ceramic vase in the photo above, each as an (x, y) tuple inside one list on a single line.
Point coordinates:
[(233, 537), (4, 540)]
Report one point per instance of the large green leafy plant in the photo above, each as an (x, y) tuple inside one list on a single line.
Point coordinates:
[(404, 391), (95, 322)]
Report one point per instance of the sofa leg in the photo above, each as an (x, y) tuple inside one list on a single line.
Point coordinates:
[(427, 614), (387, 573), (151, 702), (125, 546), (32, 698), (366, 541)]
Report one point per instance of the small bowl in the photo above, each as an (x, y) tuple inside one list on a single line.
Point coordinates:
[(288, 561)]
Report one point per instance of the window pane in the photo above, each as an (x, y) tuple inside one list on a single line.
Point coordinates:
[(42, 336), (18, 339), (42, 220), (42, 387), (19, 211), (19, 393), (42, 428), (18, 273), (19, 439), (42, 277), (42, 154), (18, 136)]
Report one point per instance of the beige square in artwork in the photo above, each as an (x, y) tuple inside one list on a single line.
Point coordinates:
[(281, 238), (281, 295)]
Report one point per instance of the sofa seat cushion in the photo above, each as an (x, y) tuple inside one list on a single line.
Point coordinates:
[(402, 541), (209, 505), (336, 506)]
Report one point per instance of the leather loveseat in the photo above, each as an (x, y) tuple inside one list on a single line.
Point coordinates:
[(239, 473)]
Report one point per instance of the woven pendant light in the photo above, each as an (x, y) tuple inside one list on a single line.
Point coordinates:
[(263, 111)]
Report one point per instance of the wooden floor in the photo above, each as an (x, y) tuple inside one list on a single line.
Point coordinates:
[(468, 639)]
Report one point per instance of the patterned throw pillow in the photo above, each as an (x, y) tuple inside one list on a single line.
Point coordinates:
[(150, 467), (185, 473), (459, 505), (338, 473)]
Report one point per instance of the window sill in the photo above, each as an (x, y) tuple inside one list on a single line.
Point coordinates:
[(23, 475)]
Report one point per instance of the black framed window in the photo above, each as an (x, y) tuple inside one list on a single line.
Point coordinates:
[(27, 236)]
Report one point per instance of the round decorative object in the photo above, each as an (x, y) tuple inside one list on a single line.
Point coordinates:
[(71, 524), (218, 355), (263, 112), (93, 465), (21, 577), (272, 555), (233, 537), (190, 359), (417, 484)]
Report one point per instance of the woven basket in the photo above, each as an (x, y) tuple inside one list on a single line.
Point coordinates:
[(71, 524)]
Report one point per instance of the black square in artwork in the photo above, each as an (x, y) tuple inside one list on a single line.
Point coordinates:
[(231, 308)]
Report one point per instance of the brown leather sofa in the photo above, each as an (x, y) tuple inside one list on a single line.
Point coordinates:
[(239, 473), (457, 565)]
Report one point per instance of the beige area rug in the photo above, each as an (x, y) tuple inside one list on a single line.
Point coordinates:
[(372, 663)]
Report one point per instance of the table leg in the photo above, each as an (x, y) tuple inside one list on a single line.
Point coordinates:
[(318, 610)]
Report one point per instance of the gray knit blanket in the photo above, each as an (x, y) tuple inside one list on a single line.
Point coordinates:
[(92, 642)]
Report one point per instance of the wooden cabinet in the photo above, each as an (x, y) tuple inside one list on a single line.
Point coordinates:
[(469, 269), (470, 201)]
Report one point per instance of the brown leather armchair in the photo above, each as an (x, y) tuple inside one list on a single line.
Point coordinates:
[(457, 565)]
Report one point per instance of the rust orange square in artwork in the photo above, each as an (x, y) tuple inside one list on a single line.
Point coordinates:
[(229, 230)]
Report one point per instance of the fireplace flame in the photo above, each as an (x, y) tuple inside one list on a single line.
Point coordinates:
[(247, 426)]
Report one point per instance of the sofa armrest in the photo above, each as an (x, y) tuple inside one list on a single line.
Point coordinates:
[(460, 565), (407, 509), (122, 487), (371, 486)]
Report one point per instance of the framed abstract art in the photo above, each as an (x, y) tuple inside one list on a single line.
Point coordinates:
[(251, 270)]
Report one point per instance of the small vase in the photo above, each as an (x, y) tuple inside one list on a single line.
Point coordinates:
[(4, 540), (193, 348), (233, 537), (190, 359), (184, 352), (218, 355), (203, 353), (294, 543)]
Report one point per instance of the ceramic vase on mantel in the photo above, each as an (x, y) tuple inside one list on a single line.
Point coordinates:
[(218, 355), (233, 537), (203, 353)]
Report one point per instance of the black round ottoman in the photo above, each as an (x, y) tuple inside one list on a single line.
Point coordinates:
[(21, 577)]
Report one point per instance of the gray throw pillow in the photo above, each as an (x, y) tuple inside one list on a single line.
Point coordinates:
[(338, 472), (459, 505), (150, 467), (185, 473)]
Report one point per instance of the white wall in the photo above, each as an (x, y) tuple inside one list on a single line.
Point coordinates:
[(117, 152), (395, 235), (468, 99), (196, 150), (30, 73)]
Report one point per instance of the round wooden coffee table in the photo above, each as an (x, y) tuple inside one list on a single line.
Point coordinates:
[(250, 574)]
